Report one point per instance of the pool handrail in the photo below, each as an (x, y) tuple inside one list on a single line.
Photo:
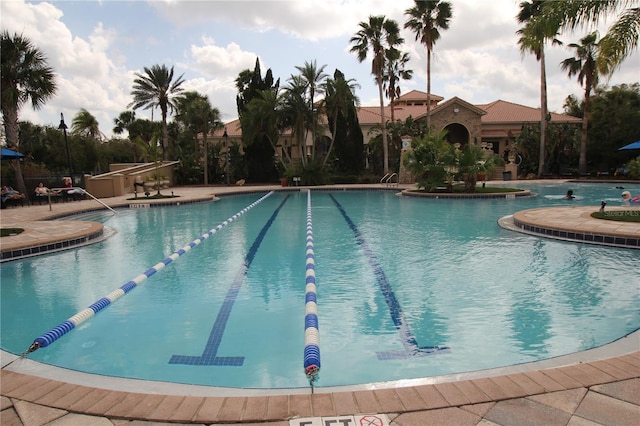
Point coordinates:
[(386, 179), (78, 190)]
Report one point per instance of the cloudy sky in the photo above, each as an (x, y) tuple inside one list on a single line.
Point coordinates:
[(96, 47)]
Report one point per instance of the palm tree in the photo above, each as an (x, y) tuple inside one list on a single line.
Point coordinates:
[(157, 88), (533, 37), (621, 38), (195, 110), (263, 118), (85, 124), (432, 160), (296, 112), (25, 77), (396, 70), (313, 77), (584, 64), (340, 100), (426, 18), (379, 35), (123, 121)]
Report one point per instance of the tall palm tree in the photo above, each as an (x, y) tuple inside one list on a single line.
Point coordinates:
[(313, 76), (533, 37), (621, 38), (25, 77), (296, 112), (395, 71), (584, 65), (157, 88), (340, 100), (426, 18), (85, 124), (378, 35)]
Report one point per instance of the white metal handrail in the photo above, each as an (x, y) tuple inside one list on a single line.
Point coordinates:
[(386, 179), (78, 191)]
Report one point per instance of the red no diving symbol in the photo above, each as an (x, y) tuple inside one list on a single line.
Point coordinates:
[(371, 421)]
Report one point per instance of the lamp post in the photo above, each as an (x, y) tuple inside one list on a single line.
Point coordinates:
[(63, 127), (226, 144)]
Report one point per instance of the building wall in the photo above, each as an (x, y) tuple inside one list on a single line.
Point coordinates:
[(467, 118)]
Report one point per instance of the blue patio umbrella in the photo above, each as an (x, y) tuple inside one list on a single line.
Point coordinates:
[(634, 145), (9, 154)]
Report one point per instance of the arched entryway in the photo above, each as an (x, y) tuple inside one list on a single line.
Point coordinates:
[(457, 133)]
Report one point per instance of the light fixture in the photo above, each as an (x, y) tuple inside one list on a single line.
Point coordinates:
[(63, 127), (226, 144)]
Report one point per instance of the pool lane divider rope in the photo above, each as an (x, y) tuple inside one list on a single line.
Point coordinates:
[(411, 347), (72, 322), (210, 354), (311, 333)]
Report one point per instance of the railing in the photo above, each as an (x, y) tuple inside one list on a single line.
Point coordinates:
[(76, 190), (386, 179)]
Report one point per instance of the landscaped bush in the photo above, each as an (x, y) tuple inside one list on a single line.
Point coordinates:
[(343, 179)]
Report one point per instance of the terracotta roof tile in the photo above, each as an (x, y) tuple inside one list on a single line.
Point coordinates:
[(503, 112), (496, 112)]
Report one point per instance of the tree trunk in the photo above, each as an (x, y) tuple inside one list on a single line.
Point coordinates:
[(10, 117), (543, 112), (206, 156), (385, 145), (428, 90), (582, 164), (313, 127), (333, 138), (165, 137), (470, 184)]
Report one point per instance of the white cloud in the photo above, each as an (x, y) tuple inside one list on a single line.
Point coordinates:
[(86, 77), (213, 60), (221, 94), (305, 19), (476, 59)]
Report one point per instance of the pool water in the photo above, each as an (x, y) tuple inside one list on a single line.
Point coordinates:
[(407, 288)]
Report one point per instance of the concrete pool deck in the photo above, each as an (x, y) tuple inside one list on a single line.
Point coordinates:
[(600, 386)]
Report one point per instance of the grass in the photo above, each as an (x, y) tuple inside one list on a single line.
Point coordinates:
[(618, 215), (5, 232)]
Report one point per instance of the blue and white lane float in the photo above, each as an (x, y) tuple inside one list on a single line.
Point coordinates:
[(61, 329), (311, 333)]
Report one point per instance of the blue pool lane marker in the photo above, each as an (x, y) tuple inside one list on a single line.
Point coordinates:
[(210, 354), (68, 325), (311, 333), (411, 347)]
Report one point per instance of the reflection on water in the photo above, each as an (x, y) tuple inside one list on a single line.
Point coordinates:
[(455, 278)]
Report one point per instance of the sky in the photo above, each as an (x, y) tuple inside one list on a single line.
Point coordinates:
[(97, 47)]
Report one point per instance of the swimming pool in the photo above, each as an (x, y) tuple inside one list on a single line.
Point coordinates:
[(439, 271)]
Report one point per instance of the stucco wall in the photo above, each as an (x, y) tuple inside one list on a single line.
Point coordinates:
[(469, 119)]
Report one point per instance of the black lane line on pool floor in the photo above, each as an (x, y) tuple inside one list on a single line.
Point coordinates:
[(210, 354), (411, 347)]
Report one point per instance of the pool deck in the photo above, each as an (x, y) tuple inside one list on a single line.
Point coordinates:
[(600, 386)]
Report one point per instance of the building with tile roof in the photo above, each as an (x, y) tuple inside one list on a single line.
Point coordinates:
[(494, 125)]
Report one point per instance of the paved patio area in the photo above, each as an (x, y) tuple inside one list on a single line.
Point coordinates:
[(600, 386)]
